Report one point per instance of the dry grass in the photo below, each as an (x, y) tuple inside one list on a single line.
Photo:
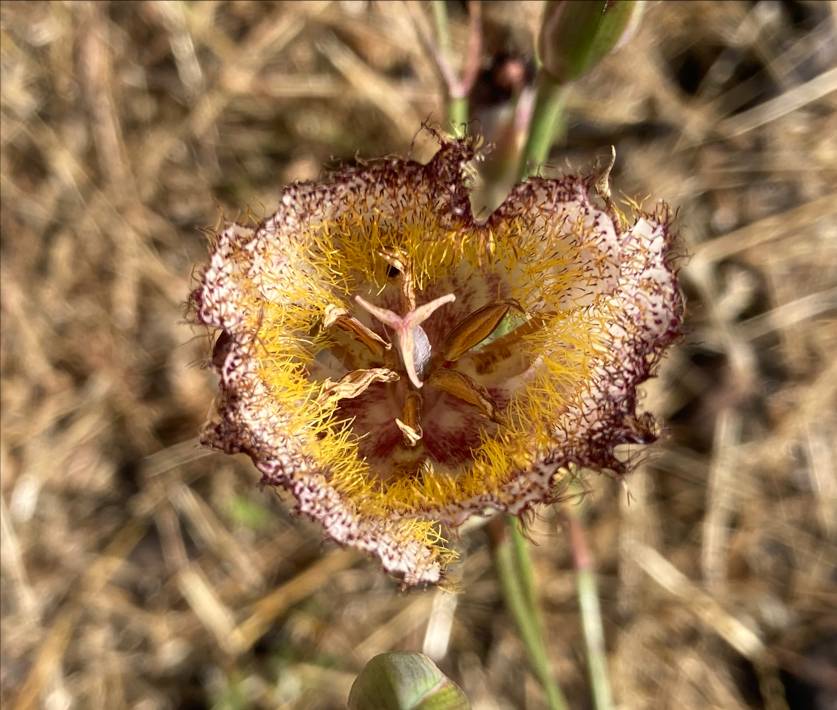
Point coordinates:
[(139, 572)]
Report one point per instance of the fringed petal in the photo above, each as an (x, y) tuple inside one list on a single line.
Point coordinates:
[(540, 325)]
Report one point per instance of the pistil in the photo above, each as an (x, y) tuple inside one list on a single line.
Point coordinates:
[(412, 341)]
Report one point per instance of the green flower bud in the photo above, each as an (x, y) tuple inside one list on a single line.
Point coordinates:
[(575, 36), (405, 681)]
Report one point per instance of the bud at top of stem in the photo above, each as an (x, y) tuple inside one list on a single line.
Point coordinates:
[(575, 36)]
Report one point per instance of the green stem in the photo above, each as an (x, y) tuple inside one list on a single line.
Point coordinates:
[(524, 613), (457, 106), (458, 114), (523, 563), (546, 125), (591, 616), (440, 18)]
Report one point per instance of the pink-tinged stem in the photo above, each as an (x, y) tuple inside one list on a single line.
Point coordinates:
[(591, 617)]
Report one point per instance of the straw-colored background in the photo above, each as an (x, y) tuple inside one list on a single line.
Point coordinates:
[(138, 573)]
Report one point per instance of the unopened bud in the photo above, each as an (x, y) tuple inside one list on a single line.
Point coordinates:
[(405, 681), (575, 36)]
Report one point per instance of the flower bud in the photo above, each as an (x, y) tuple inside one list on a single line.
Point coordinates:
[(405, 681), (575, 36)]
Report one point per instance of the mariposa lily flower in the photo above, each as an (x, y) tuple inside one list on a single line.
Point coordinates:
[(398, 366)]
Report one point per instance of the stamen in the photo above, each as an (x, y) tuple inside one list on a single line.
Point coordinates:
[(459, 385), (354, 383), (502, 348), (402, 268), (412, 436), (475, 328), (410, 426), (337, 316), (407, 333)]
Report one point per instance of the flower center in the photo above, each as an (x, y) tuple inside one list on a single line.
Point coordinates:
[(413, 395)]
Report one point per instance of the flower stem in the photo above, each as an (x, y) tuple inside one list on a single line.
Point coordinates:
[(512, 570), (457, 89), (458, 114), (546, 126), (523, 562), (591, 618), (440, 18)]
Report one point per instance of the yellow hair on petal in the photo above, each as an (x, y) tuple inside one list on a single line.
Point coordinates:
[(336, 259)]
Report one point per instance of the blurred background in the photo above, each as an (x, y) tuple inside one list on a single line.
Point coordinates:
[(139, 571)]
